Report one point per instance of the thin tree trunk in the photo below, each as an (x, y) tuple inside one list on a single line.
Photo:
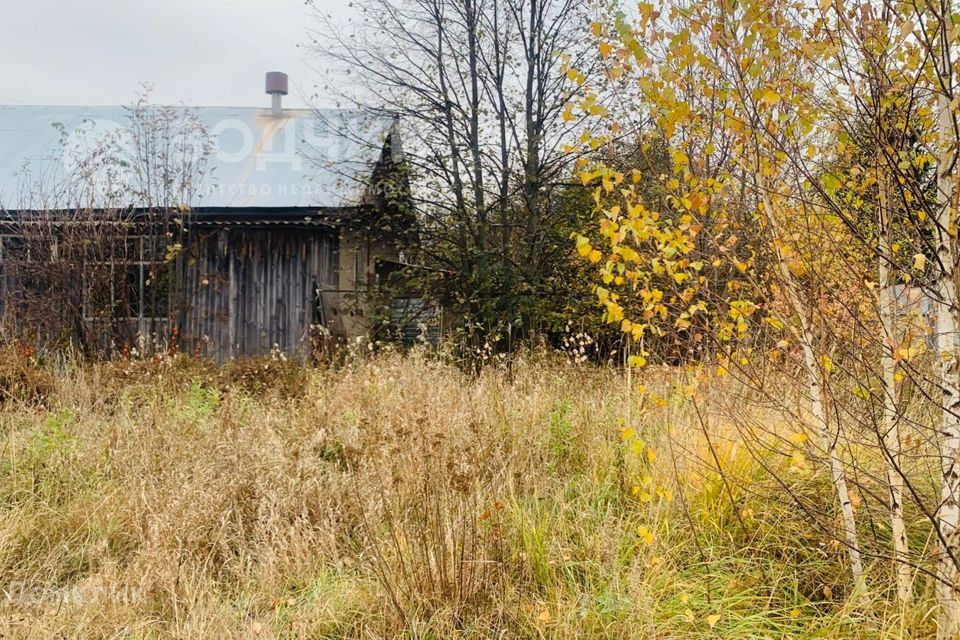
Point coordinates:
[(476, 154), (450, 129), (533, 100), (890, 424), (838, 474), (948, 515), (817, 405), (890, 418), (501, 55)]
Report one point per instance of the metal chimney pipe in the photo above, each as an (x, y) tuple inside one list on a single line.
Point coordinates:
[(277, 86)]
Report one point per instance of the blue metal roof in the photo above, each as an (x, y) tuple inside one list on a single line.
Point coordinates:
[(303, 158)]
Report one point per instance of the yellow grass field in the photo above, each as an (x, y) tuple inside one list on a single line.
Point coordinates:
[(398, 497)]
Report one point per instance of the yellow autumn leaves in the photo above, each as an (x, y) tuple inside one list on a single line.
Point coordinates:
[(643, 252), (640, 457), (587, 251)]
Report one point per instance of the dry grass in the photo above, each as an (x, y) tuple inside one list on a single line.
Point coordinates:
[(400, 497)]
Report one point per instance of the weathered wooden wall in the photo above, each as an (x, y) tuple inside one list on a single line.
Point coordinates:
[(247, 291), (244, 289)]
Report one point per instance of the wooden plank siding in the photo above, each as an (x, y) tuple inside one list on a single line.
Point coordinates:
[(250, 290), (241, 286)]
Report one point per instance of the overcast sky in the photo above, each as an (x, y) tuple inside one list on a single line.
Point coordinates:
[(197, 52)]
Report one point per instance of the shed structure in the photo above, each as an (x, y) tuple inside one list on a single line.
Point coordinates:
[(270, 251)]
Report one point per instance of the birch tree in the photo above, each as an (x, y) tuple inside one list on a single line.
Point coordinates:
[(947, 327), (726, 54)]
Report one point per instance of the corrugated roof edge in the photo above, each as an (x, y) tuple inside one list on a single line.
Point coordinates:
[(333, 217)]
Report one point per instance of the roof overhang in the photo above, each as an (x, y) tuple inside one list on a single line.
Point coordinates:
[(327, 217)]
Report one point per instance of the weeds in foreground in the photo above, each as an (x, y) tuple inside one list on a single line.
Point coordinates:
[(399, 497)]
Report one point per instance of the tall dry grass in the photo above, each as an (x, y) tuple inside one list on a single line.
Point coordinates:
[(397, 496)]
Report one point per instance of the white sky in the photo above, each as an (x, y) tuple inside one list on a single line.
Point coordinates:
[(195, 52)]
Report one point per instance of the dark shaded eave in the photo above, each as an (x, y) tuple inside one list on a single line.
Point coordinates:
[(330, 217)]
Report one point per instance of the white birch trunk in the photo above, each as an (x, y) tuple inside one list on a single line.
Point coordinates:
[(890, 424), (838, 474), (948, 514)]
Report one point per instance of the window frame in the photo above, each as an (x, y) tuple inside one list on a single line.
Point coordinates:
[(142, 265)]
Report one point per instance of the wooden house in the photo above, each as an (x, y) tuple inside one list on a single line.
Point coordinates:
[(283, 239)]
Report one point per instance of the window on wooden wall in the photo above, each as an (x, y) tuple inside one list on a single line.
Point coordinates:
[(360, 268), (331, 261), (13, 252), (148, 290), (11, 247), (140, 282), (151, 276)]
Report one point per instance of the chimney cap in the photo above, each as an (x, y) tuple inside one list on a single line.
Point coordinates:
[(277, 83)]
